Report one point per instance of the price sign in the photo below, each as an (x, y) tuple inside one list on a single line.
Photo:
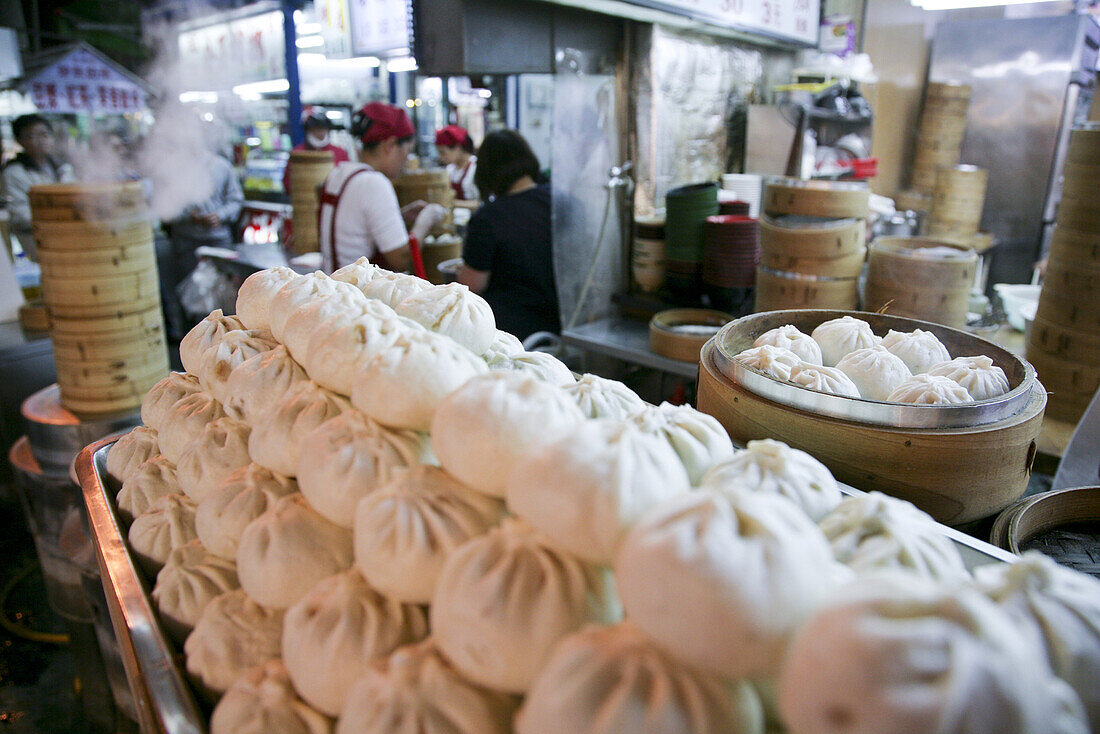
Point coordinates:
[(379, 26), (81, 82), (793, 20)]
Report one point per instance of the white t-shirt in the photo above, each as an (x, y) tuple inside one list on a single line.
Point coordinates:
[(455, 173), (368, 218)]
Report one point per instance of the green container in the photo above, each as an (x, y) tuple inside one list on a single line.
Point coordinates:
[(686, 212)]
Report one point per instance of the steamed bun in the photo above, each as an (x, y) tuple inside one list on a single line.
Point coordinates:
[(599, 397), (488, 425), (545, 367), (190, 579), (277, 442), (773, 361), (219, 361), (164, 395), (405, 530), (875, 371), (697, 438), (455, 311), (205, 334), (256, 293), (504, 599), (131, 451), (919, 349), (334, 632), (244, 495), (929, 389), (981, 378), (217, 452), (257, 384), (824, 379), (298, 292), (614, 680), (393, 288), (185, 421), (587, 488), (166, 525), (153, 479), (837, 337), (263, 701), (342, 305), (340, 348), (358, 273), (790, 338)]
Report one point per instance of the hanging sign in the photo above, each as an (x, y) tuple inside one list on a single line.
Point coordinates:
[(790, 20), (82, 82), (379, 27), (228, 52)]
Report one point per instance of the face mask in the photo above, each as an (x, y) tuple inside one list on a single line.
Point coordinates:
[(317, 142)]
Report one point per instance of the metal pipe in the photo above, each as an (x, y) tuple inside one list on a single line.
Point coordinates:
[(294, 91)]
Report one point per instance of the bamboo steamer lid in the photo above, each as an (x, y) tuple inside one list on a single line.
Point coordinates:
[(82, 236), (902, 282), (1075, 246), (955, 474), (74, 202), (815, 238), (816, 198), (120, 290), (844, 266), (777, 290), (110, 325), (93, 264)]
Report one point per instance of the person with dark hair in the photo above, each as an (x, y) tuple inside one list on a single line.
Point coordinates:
[(456, 152), (317, 127), (34, 166), (360, 215), (508, 255)]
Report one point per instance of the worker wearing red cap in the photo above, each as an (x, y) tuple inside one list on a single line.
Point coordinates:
[(456, 152), (360, 215), (316, 126)]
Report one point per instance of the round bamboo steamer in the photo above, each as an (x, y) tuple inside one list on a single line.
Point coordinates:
[(844, 266), (1074, 246), (1064, 341), (438, 252), (816, 199), (956, 475), (823, 240), (1079, 180), (776, 291), (904, 284), (1068, 310), (73, 202), (132, 288), (1079, 214), (111, 399), (957, 199), (1060, 373), (93, 264), (1072, 279), (647, 264), (93, 350), (107, 326), (1084, 146), (104, 311), (913, 201), (666, 340), (949, 90), (90, 375), (108, 234)]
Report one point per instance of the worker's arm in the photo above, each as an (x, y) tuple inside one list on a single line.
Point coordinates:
[(398, 260), (475, 280)]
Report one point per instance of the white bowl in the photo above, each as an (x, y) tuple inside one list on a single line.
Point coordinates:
[(1016, 298)]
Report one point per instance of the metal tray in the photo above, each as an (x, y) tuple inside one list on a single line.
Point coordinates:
[(165, 702), (739, 335), (162, 697)]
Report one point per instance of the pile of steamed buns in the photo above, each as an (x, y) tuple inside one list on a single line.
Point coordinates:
[(367, 510), (844, 357)]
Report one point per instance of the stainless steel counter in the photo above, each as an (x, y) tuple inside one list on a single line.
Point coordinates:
[(627, 340)]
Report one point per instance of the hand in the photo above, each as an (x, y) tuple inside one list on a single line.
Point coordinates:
[(411, 211), (431, 215), (211, 220), (197, 217)]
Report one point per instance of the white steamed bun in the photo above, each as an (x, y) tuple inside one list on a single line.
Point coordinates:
[(219, 361), (342, 305), (875, 370), (895, 652), (546, 367), (504, 599), (773, 361), (614, 680), (217, 452), (599, 397), (488, 425), (405, 530), (244, 495), (393, 288), (298, 292), (837, 337), (981, 378), (358, 273), (341, 348), (416, 689), (164, 394), (587, 488), (277, 442), (131, 451), (192, 576), (256, 293), (504, 345), (166, 525), (824, 379), (205, 334), (697, 438), (334, 632), (404, 384), (721, 580), (284, 551), (185, 421), (929, 389), (153, 479), (263, 701), (919, 349), (455, 311), (872, 531), (350, 456), (790, 338), (257, 384), (773, 467)]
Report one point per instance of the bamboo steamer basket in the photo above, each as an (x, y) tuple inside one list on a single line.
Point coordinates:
[(811, 238), (778, 290), (108, 326), (308, 171), (432, 186), (844, 266), (1079, 179), (446, 247), (97, 263), (1079, 214), (840, 200), (940, 132), (957, 474), (679, 333), (957, 201), (1068, 310), (87, 374), (906, 284), (82, 236), (1070, 245), (74, 202), (1065, 341), (124, 345), (133, 291), (1084, 145)]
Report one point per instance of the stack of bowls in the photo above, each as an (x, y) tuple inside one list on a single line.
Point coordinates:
[(730, 257), (647, 256), (100, 286), (747, 187), (308, 170), (1064, 344), (735, 206), (811, 245), (686, 211)]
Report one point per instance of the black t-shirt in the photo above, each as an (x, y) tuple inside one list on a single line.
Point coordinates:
[(510, 238)]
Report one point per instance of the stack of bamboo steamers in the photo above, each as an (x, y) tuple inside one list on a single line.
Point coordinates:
[(811, 245), (100, 286), (1064, 345), (308, 170), (939, 140)]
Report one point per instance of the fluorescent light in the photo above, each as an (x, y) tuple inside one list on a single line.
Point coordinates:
[(209, 117), (334, 114), (371, 61), (405, 63), (250, 97), (958, 4), (204, 97), (309, 42), (252, 141), (299, 17), (484, 93), (266, 87), (312, 58), (307, 29)]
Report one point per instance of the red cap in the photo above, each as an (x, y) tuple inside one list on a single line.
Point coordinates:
[(377, 121), (451, 136)]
